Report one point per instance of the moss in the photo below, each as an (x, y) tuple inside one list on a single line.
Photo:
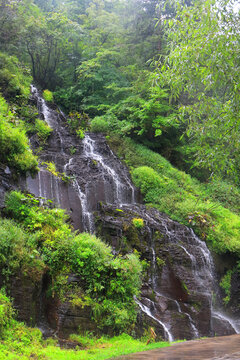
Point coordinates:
[(133, 237), (138, 223), (160, 262), (184, 287)]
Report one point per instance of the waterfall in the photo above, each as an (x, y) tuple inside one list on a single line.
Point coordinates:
[(97, 175), (147, 311), (87, 216), (90, 151), (113, 185)]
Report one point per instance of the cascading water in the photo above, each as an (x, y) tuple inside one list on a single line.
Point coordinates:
[(109, 185), (119, 186), (147, 311), (185, 280)]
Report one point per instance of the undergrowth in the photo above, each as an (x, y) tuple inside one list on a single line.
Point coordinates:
[(40, 239)]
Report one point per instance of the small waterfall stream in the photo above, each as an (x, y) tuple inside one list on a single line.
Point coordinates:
[(147, 311), (97, 175)]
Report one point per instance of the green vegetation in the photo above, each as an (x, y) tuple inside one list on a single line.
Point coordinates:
[(109, 283), (202, 64), (43, 130), (6, 313), (138, 223), (184, 198), (15, 78), (99, 124), (225, 284), (18, 341), (161, 80), (51, 167), (80, 134), (18, 251), (14, 146), (48, 95)]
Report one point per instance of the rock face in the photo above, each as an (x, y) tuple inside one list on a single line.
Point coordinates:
[(26, 296), (66, 319), (176, 296), (97, 174), (6, 184), (177, 291)]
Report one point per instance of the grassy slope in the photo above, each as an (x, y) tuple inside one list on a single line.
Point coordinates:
[(24, 343), (211, 209)]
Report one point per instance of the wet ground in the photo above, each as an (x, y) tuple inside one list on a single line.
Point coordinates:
[(219, 348)]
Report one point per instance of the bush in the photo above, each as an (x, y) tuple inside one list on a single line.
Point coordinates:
[(14, 148), (225, 284), (6, 312), (14, 144), (108, 283), (25, 209), (15, 79), (48, 96), (18, 251), (146, 179), (80, 133), (138, 223), (99, 124), (43, 130)]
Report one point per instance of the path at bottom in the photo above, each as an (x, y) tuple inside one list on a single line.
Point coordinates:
[(217, 348)]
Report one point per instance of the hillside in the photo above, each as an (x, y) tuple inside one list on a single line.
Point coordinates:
[(119, 190)]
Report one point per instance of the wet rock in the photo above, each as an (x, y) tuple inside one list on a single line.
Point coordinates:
[(64, 317), (26, 295), (179, 281)]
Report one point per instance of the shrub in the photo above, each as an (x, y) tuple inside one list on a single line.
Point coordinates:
[(15, 79), (18, 251), (77, 121), (43, 130), (25, 209), (14, 147), (80, 133), (108, 283), (146, 179), (48, 95), (138, 223), (6, 312), (99, 124), (225, 284)]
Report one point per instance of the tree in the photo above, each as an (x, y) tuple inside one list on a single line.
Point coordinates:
[(203, 73), (48, 39)]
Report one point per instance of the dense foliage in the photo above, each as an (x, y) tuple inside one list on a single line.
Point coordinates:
[(162, 72), (14, 144), (46, 241), (202, 71)]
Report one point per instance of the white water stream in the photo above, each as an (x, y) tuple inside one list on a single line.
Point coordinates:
[(90, 151), (147, 311)]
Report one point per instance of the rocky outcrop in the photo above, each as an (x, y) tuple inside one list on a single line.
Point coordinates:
[(178, 283), (6, 183), (65, 317), (26, 295)]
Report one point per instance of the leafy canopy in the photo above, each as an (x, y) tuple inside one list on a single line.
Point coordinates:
[(202, 72)]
